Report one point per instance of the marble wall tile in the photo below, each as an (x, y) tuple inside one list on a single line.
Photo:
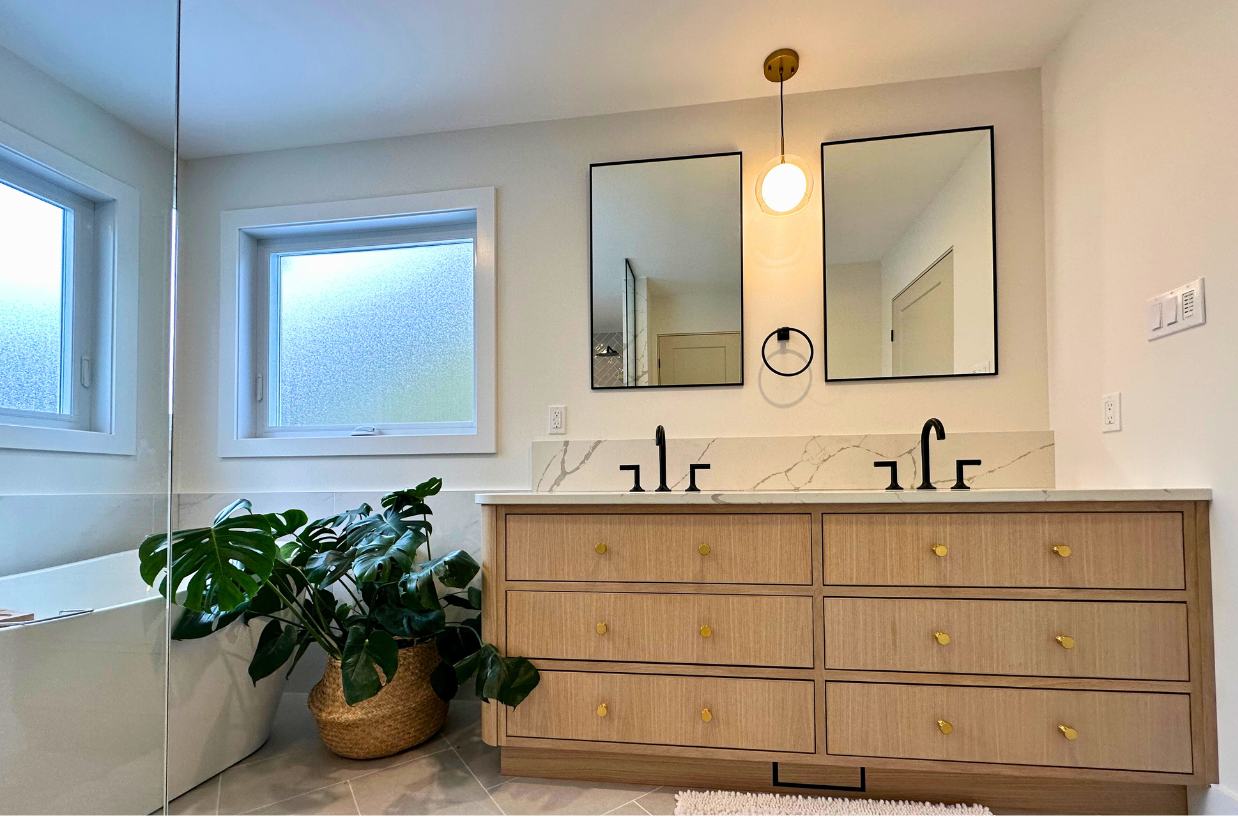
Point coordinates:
[(198, 509), (825, 462), (47, 530)]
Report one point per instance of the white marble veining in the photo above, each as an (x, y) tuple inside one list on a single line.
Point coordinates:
[(1021, 459), (849, 497)]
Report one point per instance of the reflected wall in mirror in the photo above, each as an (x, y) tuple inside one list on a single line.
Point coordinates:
[(910, 256), (667, 272)]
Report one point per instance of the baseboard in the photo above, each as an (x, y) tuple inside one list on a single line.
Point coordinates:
[(1212, 800), (1003, 794)]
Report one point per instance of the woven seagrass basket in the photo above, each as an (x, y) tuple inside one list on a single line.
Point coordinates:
[(405, 713)]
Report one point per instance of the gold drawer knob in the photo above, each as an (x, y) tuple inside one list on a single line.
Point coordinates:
[(942, 637), (1065, 641), (602, 710), (703, 549), (706, 631), (1070, 733), (600, 548), (940, 550), (1062, 550), (707, 715), (601, 628), (945, 727)]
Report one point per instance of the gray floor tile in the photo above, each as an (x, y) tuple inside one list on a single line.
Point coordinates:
[(336, 800), (523, 796), (630, 809), (438, 784), (300, 768), (660, 802), (200, 801)]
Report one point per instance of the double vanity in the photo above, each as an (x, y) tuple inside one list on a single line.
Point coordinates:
[(1032, 650)]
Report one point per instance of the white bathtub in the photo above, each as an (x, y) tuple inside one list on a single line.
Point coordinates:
[(81, 697)]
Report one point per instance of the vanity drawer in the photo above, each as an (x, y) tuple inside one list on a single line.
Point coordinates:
[(721, 549), (1114, 640), (1119, 731), (1093, 550), (773, 631), (744, 714)]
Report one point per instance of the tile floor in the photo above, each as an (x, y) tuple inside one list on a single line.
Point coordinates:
[(454, 773)]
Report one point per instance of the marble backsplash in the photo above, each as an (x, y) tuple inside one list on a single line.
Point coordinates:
[(1021, 459)]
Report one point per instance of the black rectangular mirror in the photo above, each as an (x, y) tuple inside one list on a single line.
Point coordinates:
[(910, 256), (666, 272)]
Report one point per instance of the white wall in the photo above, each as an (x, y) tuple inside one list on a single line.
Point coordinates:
[(959, 217), (62, 507), (38, 105), (1141, 148), (541, 174), (853, 317)]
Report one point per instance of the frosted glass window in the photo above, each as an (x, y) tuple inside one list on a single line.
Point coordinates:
[(32, 287), (373, 336)]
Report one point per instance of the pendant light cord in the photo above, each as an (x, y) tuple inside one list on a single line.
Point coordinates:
[(782, 129)]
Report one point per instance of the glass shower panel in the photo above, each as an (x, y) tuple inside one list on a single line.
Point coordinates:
[(87, 170)]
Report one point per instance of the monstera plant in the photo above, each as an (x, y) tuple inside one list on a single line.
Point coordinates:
[(362, 585)]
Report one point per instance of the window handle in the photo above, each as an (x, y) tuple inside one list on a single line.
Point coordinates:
[(86, 373), (365, 429), (258, 385)]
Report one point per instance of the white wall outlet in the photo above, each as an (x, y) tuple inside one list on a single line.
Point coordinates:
[(1111, 412), (556, 421), (1174, 311)]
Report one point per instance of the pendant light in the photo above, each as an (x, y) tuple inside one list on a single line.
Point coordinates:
[(783, 186)]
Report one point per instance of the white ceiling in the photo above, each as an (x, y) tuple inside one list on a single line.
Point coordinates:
[(267, 74)]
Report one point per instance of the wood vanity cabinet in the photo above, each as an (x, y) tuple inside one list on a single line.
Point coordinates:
[(1034, 656)]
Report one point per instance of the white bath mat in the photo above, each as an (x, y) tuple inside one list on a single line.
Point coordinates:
[(732, 803)]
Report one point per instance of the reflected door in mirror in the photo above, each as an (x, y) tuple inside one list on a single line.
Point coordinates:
[(666, 277), (910, 273)]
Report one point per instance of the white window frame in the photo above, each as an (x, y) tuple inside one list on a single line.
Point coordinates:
[(100, 297), (248, 239)]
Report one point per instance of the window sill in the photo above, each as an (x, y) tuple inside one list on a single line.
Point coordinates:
[(343, 445), (60, 440)]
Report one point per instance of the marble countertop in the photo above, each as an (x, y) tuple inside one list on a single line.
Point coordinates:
[(846, 496)]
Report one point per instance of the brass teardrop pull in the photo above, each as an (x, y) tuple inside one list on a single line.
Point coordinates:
[(1070, 733), (602, 710), (945, 727), (601, 628), (600, 548), (942, 637), (707, 715), (940, 550)]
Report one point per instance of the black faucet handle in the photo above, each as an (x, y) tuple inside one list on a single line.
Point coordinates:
[(959, 466), (893, 465), (635, 468), (692, 468)]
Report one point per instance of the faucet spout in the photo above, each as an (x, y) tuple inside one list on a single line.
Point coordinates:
[(926, 468), (659, 438)]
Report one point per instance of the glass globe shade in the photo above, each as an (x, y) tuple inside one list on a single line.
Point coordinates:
[(784, 186)]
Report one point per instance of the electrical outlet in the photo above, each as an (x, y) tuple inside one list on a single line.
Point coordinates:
[(556, 422), (1111, 412)]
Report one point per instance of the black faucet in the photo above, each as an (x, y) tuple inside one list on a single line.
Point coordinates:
[(659, 438), (926, 467)]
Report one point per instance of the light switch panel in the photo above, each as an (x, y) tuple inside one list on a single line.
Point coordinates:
[(1174, 311)]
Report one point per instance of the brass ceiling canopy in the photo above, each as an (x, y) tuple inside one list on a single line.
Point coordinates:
[(782, 64)]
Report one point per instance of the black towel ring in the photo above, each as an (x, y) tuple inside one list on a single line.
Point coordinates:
[(784, 334)]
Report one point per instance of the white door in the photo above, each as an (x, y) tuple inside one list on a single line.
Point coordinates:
[(698, 358), (923, 322)]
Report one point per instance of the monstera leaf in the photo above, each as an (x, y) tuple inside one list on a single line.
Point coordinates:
[(387, 549), (365, 653), (221, 566)]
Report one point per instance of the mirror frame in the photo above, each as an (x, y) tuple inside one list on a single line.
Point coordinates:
[(825, 341), (739, 196)]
